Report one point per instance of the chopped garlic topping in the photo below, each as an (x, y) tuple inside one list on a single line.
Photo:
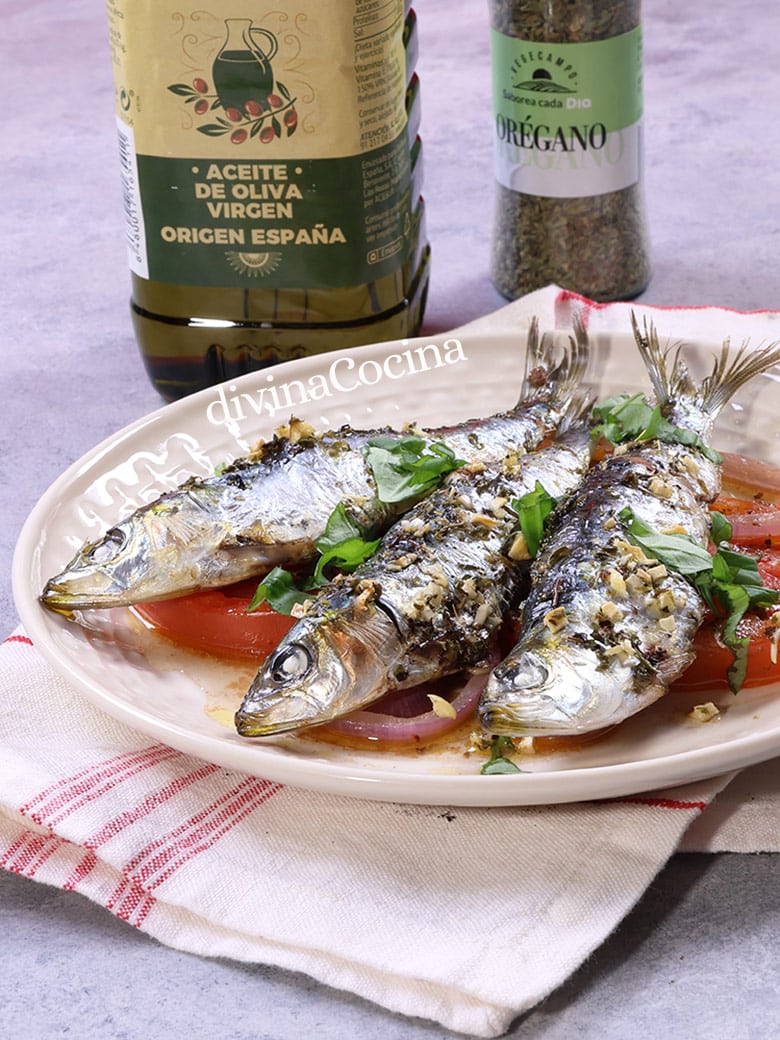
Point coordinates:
[(469, 587), (610, 611), (402, 562), (616, 582), (639, 583), (295, 430), (481, 615), (774, 625), (704, 712), (610, 523), (667, 624), (497, 506), (518, 549), (660, 488), (623, 650), (657, 573), (428, 600), (442, 709), (415, 525), (631, 552), (556, 619), (437, 573), (481, 520), (662, 604), (675, 529), (691, 465)]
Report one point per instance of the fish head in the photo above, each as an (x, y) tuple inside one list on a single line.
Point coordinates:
[(102, 572), (171, 547), (551, 690), (322, 669)]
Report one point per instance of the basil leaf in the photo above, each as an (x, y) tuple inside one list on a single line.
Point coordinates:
[(678, 552), (626, 414), (347, 555), (498, 763), (720, 528), (280, 591), (408, 467), (532, 510), (736, 671), (730, 583), (629, 417), (339, 527), (342, 543)]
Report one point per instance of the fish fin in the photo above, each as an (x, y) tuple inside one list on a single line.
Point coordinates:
[(671, 380), (552, 371)]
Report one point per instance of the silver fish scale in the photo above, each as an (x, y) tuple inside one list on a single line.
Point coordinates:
[(603, 593), (270, 508), (441, 571), (285, 494)]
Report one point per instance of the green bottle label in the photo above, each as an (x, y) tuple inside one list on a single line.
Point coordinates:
[(265, 149), (567, 115)]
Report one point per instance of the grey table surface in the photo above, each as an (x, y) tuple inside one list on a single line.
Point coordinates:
[(699, 956)]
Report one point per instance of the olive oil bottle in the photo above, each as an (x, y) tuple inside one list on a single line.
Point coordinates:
[(271, 172)]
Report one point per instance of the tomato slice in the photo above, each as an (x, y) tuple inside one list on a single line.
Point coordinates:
[(768, 561), (713, 659), (754, 522), (750, 478), (216, 621)]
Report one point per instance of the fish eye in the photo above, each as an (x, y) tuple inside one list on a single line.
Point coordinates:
[(107, 548), (291, 662), (527, 673)]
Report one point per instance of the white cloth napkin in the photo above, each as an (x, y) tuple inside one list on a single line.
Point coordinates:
[(442, 913), (467, 917)]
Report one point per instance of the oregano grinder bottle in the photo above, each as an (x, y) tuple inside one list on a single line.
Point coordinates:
[(271, 173), (567, 89)]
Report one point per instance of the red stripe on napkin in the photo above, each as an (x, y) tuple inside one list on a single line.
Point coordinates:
[(131, 902), (19, 639), (71, 793), (76, 876), (661, 803), (161, 858), (30, 850), (149, 804)]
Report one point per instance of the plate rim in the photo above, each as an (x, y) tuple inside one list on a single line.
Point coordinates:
[(614, 780)]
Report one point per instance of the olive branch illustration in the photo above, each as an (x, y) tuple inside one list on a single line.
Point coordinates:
[(266, 122)]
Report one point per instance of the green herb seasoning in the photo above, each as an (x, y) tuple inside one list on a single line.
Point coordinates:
[(567, 89)]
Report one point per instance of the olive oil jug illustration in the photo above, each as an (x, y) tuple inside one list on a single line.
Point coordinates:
[(243, 76)]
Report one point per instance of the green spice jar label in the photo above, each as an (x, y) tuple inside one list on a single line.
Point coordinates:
[(262, 147), (567, 115)]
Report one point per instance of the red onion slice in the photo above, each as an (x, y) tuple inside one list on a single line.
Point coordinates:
[(370, 726)]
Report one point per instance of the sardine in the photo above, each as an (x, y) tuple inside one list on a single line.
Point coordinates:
[(428, 603), (271, 507), (605, 629)]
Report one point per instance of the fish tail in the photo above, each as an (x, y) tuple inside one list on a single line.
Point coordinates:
[(555, 372), (672, 381)]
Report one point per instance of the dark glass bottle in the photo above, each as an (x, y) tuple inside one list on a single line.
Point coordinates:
[(272, 191)]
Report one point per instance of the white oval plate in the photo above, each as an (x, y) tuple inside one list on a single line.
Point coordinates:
[(171, 697)]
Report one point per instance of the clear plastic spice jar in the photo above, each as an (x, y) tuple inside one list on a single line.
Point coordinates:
[(567, 90)]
